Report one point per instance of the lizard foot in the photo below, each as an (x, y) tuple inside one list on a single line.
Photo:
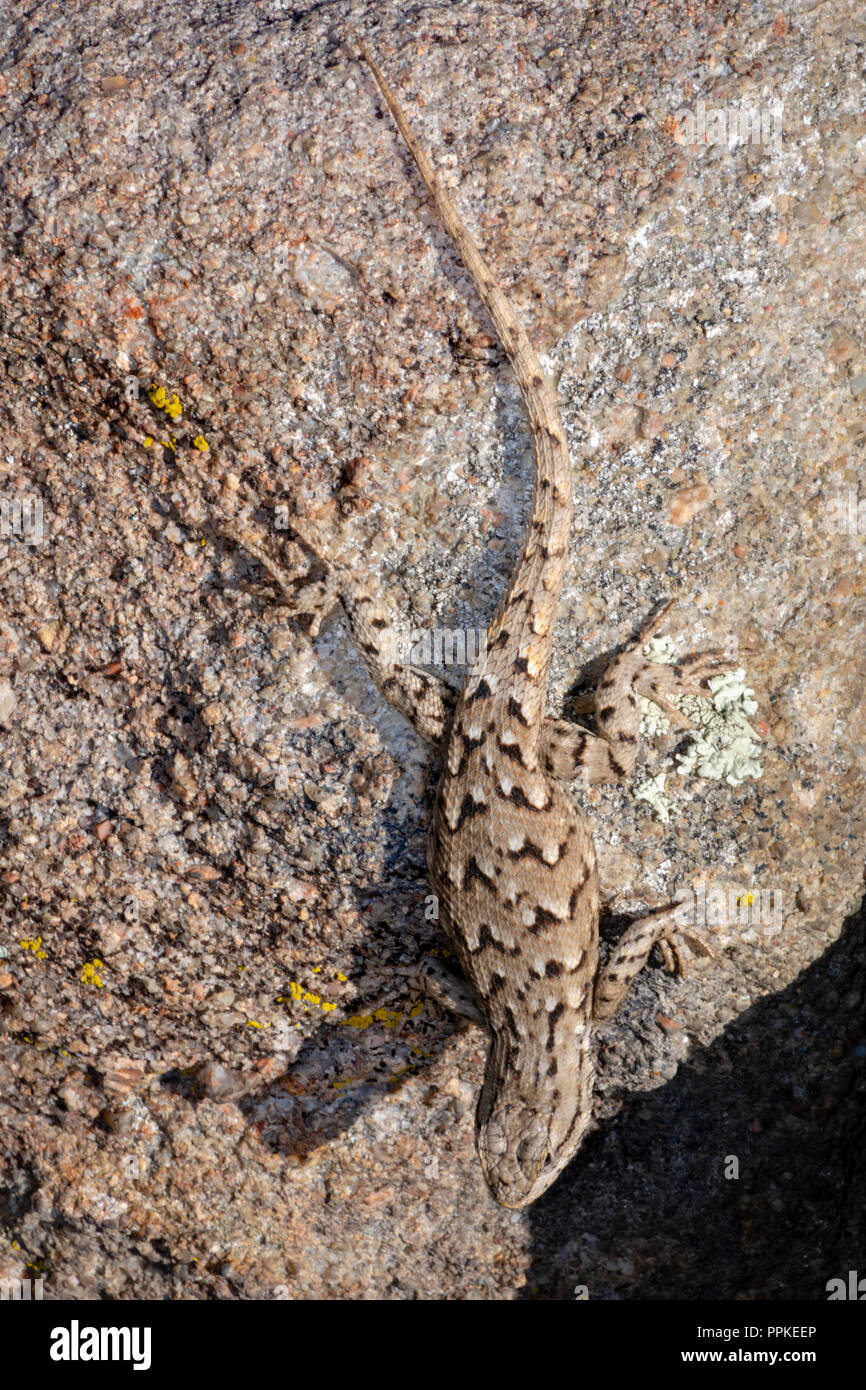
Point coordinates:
[(306, 601), (663, 928), (671, 938), (428, 977), (432, 977), (660, 683)]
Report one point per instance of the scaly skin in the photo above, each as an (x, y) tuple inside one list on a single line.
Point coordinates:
[(510, 857)]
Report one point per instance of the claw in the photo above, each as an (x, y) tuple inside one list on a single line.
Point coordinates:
[(653, 624)]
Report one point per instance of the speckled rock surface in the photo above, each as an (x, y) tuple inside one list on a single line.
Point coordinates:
[(212, 829)]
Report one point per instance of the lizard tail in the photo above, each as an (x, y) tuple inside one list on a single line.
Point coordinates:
[(540, 570)]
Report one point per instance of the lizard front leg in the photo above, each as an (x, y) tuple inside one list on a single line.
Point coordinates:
[(663, 929)]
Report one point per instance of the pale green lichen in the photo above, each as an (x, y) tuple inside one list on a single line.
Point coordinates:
[(660, 650), (653, 792), (653, 720), (721, 748)]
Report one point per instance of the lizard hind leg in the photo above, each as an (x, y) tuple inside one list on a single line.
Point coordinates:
[(611, 754), (425, 700), (687, 676)]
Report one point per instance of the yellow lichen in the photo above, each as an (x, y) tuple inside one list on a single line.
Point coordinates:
[(34, 945), (90, 973)]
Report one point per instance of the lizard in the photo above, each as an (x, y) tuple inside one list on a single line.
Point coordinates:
[(511, 859)]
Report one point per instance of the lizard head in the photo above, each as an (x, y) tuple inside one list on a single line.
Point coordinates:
[(524, 1144)]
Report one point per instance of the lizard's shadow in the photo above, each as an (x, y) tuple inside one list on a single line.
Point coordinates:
[(651, 1208)]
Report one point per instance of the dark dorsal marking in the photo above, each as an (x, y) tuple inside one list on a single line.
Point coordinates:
[(496, 986), (515, 710), (470, 744), (569, 743), (512, 751), (552, 1019), (469, 747), (544, 919), (481, 692), (576, 891), (615, 767), (519, 797), (469, 808), (528, 850), (473, 871), (487, 941)]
